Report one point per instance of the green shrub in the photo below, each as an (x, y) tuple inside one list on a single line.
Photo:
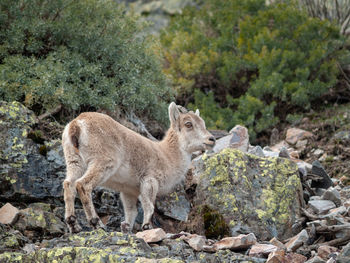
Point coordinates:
[(81, 54), (261, 62)]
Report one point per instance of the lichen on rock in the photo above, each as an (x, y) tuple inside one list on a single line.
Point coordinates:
[(252, 193)]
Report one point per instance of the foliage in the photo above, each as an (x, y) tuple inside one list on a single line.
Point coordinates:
[(255, 62), (81, 54)]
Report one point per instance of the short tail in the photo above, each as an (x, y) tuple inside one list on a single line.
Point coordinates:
[(74, 133)]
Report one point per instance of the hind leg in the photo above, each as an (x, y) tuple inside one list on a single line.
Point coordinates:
[(130, 211), (96, 174), (75, 170)]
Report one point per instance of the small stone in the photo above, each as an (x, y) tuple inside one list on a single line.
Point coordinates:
[(315, 259), (276, 257), (318, 169), (197, 242), (29, 248), (152, 235), (318, 152), (295, 258), (332, 194), (301, 145), (274, 138), (324, 251), (210, 249), (294, 135), (294, 154), (270, 154), (284, 153), (8, 214), (321, 206), (238, 139), (262, 250), (277, 147), (236, 243), (297, 241), (277, 243), (257, 150)]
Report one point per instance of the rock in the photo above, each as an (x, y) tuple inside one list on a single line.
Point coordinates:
[(274, 138), (262, 250), (29, 248), (31, 171), (237, 139), (8, 214), (344, 255), (38, 221), (301, 145), (175, 205), (343, 136), (197, 242), (256, 150), (321, 206), (276, 257), (277, 147), (295, 258), (277, 243), (252, 194), (318, 169), (297, 241), (10, 239), (316, 259), (332, 194), (284, 153), (294, 135), (318, 152), (152, 235), (236, 243), (324, 251)]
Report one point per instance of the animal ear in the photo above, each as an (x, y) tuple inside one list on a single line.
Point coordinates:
[(174, 113), (197, 112)]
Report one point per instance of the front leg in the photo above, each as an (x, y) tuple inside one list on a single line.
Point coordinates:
[(148, 194)]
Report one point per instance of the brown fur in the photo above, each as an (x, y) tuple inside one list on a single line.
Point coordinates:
[(115, 157)]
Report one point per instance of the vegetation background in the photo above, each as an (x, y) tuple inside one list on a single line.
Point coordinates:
[(257, 63)]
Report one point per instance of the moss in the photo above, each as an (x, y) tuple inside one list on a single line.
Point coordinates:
[(263, 188), (214, 223), (43, 150), (37, 136)]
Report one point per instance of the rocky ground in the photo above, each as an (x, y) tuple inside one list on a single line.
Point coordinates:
[(286, 202)]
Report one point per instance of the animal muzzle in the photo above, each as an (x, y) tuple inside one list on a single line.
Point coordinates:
[(210, 142)]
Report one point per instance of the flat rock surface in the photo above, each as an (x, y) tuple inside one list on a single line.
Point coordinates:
[(8, 214)]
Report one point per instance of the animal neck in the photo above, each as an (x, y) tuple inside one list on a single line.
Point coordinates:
[(172, 145)]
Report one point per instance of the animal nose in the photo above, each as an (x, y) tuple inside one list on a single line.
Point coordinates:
[(212, 139)]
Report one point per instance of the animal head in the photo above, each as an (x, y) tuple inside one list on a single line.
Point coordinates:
[(190, 128)]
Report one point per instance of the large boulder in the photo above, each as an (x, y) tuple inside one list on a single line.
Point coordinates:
[(251, 193), (28, 170)]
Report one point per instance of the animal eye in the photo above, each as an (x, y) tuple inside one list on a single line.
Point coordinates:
[(188, 125)]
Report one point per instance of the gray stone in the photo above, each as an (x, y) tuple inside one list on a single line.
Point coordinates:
[(237, 139), (326, 181), (152, 235), (25, 173), (332, 194), (316, 259), (175, 205), (197, 242), (321, 206), (247, 191), (10, 239), (262, 250), (297, 241), (344, 255), (284, 153), (256, 150), (343, 136)]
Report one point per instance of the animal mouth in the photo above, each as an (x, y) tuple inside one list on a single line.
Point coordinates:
[(209, 145)]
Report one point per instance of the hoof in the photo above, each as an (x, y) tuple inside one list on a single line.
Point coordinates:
[(147, 226), (73, 225), (96, 223), (125, 227)]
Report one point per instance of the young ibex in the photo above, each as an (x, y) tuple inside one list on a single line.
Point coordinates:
[(100, 151)]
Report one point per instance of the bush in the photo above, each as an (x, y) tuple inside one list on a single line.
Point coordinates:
[(81, 54), (261, 62)]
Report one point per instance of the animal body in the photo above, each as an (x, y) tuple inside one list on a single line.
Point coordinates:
[(100, 151)]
